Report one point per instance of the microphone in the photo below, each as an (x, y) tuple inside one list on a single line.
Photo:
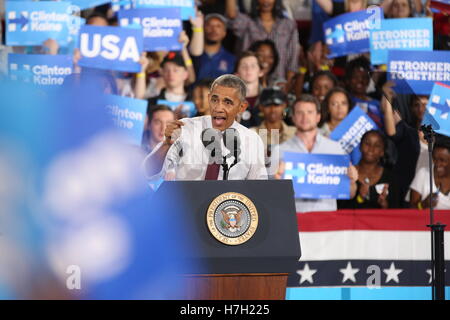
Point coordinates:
[(232, 142), (212, 141)]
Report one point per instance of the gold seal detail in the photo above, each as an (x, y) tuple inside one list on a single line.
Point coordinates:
[(232, 218)]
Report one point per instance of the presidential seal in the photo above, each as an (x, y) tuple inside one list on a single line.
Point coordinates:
[(232, 218)]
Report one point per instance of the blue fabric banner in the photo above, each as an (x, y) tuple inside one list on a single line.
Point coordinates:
[(161, 27), (31, 23), (438, 109), (417, 71), (400, 34), (111, 48), (39, 69), (187, 6), (349, 33), (318, 176), (128, 116)]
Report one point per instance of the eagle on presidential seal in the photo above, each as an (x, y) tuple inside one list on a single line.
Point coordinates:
[(232, 218)]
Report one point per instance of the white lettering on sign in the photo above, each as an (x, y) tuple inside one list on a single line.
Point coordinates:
[(108, 47)]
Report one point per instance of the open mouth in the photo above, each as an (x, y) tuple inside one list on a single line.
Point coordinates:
[(218, 121)]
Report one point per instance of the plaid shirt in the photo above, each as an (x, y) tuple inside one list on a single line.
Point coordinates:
[(284, 34)]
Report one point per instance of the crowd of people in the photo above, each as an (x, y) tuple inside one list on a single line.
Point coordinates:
[(293, 90)]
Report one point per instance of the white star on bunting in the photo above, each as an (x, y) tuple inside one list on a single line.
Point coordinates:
[(349, 273), (392, 273), (306, 274)]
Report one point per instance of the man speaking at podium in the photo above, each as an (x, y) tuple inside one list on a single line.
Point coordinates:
[(213, 147)]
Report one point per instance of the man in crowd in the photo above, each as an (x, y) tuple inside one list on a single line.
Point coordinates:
[(215, 60), (306, 117), (185, 154), (273, 130), (155, 125), (174, 73)]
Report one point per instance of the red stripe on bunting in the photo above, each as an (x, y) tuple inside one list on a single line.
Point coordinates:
[(370, 219)]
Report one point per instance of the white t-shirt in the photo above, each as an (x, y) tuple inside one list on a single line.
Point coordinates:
[(421, 184)]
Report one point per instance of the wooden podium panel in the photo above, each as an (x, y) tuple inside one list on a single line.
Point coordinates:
[(257, 286)]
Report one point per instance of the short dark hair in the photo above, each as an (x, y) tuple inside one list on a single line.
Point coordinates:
[(442, 142), (323, 73), (151, 110), (306, 98), (358, 63), (244, 55)]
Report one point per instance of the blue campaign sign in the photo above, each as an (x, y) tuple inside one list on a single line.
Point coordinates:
[(161, 27), (39, 69), (438, 109), (117, 5), (187, 107), (31, 23), (86, 4), (400, 34), (318, 176), (417, 71), (187, 6), (349, 33), (128, 116), (111, 48), (350, 131)]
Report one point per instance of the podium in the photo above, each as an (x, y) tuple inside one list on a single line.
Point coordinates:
[(253, 270)]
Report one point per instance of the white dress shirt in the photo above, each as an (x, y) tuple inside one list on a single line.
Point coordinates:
[(188, 159)]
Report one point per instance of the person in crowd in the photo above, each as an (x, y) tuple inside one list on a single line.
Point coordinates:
[(321, 83), (182, 154), (357, 79), (306, 116), (213, 60), (268, 56), (249, 69), (155, 125), (97, 19), (420, 186), (406, 137), (335, 8), (401, 8), (175, 74), (273, 130), (336, 106), (374, 178), (267, 22), (200, 96)]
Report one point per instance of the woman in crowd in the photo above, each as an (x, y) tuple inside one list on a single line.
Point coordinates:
[(336, 106), (373, 178), (420, 187), (267, 22), (249, 69), (321, 83), (268, 56), (401, 8), (357, 79)]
